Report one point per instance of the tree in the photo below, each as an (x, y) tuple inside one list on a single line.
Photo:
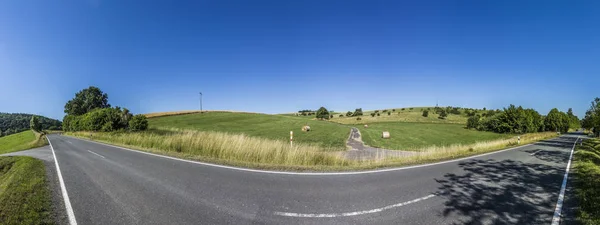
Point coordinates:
[(358, 112), (573, 120), (556, 121), (34, 124), (87, 100), (349, 114), (138, 122), (372, 114), (425, 113), (591, 120), (322, 113)]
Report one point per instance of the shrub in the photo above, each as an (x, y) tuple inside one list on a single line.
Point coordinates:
[(411, 108), (473, 122), (372, 114), (443, 115), (358, 112), (403, 109), (376, 111), (425, 113), (138, 122), (385, 110), (358, 118), (393, 110), (378, 114), (341, 115), (349, 114), (389, 113)]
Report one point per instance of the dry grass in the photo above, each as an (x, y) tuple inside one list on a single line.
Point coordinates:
[(246, 151), (234, 149), (183, 112)]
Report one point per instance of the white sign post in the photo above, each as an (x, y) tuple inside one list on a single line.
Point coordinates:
[(291, 138), (519, 140)]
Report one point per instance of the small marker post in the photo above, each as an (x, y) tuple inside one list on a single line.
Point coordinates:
[(519, 140), (291, 138)]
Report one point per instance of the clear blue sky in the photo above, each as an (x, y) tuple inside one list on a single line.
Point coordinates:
[(282, 56)]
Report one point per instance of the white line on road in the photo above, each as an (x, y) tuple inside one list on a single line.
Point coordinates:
[(307, 173), (536, 152), (561, 196), (63, 188), (70, 142), (330, 215), (96, 154)]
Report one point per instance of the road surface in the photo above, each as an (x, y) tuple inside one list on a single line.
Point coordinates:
[(111, 185)]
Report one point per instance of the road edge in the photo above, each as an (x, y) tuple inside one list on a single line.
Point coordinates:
[(69, 208)]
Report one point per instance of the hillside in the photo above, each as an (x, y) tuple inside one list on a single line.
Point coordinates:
[(11, 123), (21, 141), (276, 127), (408, 114)]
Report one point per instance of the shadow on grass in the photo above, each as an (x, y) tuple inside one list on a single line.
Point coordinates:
[(501, 192)]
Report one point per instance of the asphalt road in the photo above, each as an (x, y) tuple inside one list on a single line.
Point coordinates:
[(110, 185)]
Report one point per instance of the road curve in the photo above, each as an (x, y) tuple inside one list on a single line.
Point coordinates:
[(110, 185)]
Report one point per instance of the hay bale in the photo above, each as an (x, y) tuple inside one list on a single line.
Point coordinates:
[(366, 126), (306, 128), (385, 135)]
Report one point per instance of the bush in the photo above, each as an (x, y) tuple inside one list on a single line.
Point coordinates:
[(349, 114), (473, 122), (372, 114), (425, 113), (403, 109), (385, 110), (443, 115), (389, 113), (378, 114), (341, 115), (358, 112), (376, 111), (138, 122), (358, 118), (393, 110), (101, 119), (411, 108)]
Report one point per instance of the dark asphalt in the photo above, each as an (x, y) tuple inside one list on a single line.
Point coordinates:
[(109, 185)]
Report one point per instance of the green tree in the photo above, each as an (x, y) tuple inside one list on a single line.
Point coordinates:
[(358, 112), (556, 121), (573, 120), (322, 113), (591, 120), (34, 124), (349, 114), (138, 122), (87, 100), (473, 122), (425, 113)]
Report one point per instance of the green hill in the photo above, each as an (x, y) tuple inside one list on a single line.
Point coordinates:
[(20, 141), (408, 114), (276, 127), (11, 123)]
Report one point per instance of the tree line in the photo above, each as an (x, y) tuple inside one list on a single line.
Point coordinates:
[(89, 111), (591, 120), (11, 123), (520, 120)]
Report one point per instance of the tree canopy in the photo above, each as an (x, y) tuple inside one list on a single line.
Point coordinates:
[(11, 123), (87, 100)]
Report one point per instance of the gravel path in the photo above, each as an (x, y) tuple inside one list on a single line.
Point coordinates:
[(360, 151)]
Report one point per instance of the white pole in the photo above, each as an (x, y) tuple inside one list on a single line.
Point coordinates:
[(291, 138)]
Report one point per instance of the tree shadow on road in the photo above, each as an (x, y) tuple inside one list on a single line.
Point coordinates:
[(553, 156), (501, 192)]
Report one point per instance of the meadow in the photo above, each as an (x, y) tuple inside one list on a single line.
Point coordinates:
[(21, 141), (274, 127), (416, 136)]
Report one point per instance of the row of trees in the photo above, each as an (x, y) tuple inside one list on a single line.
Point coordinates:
[(11, 123), (90, 111), (519, 120), (591, 120)]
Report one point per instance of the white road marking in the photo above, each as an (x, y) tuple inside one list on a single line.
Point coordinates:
[(96, 154), (536, 152), (330, 215), (306, 173), (70, 142), (561, 196), (63, 189)]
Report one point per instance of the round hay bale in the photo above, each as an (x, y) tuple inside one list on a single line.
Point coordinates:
[(366, 126), (385, 135)]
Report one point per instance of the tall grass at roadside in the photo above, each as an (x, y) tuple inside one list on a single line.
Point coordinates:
[(235, 149), (587, 181), (437, 153), (247, 151)]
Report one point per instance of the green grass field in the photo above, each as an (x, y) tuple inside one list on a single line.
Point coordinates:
[(24, 194), (587, 188), (20, 141), (413, 136), (407, 115), (274, 127)]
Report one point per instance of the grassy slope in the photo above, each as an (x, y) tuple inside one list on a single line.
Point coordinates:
[(412, 136), (406, 115), (20, 141), (586, 181), (274, 127), (24, 196)]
